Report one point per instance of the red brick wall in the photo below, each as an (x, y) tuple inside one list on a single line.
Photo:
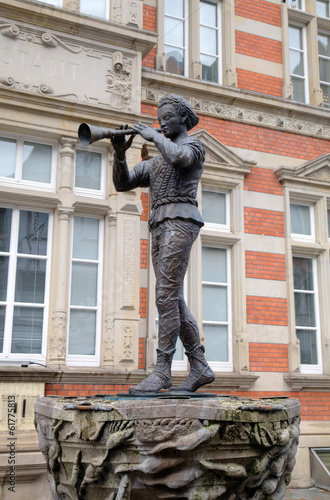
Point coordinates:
[(143, 302), (258, 46), (263, 180), (83, 390), (245, 136), (145, 206), (143, 254), (266, 222), (259, 10), (141, 362), (149, 23), (266, 310), (268, 357), (267, 266), (257, 82)]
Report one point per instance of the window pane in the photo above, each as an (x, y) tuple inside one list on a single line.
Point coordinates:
[(295, 37), (82, 332), (323, 43), (174, 8), (88, 170), (8, 157), (174, 32), (304, 308), (84, 284), (324, 65), (4, 261), (5, 228), (300, 219), (303, 274), (326, 96), (216, 342), (208, 14), (95, 8), (2, 325), (50, 2), (214, 207), (27, 330), (85, 238), (210, 69), (174, 60), (322, 8), (298, 89), (328, 223), (214, 303), (37, 162), (308, 352), (208, 40), (33, 230), (296, 63), (214, 265), (30, 281)]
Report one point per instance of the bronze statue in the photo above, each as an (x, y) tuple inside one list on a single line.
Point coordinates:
[(175, 221)]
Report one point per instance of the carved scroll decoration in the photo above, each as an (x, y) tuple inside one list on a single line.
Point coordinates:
[(129, 263)]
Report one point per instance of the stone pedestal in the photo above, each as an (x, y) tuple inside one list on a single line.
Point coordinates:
[(198, 448)]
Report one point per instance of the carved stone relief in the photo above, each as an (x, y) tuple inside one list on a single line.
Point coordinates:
[(109, 339), (57, 339), (208, 449), (51, 64), (127, 343), (129, 263)]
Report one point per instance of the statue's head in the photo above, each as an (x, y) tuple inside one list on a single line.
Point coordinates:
[(182, 107)]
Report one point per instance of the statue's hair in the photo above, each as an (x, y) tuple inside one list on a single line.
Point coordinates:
[(182, 107)]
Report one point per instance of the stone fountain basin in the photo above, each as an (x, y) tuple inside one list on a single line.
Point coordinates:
[(197, 448)]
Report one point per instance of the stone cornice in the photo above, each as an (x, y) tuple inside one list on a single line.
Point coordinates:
[(308, 382), (233, 104), (223, 381)]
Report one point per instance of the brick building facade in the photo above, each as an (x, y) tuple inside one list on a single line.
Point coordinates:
[(77, 290)]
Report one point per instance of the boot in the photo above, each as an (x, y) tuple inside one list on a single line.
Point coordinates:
[(200, 372), (159, 378)]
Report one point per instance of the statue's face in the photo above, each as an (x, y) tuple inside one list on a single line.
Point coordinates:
[(171, 123)]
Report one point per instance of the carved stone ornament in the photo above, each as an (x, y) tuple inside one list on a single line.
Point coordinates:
[(63, 66), (264, 118), (129, 263), (202, 449), (109, 339), (57, 340)]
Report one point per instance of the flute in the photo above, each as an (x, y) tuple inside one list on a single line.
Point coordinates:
[(88, 134)]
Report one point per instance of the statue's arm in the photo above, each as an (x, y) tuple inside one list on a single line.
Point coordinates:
[(177, 155), (124, 180)]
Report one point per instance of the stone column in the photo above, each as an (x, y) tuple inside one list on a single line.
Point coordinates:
[(62, 247), (58, 330)]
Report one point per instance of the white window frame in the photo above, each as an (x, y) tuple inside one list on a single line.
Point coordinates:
[(185, 48), (217, 3), (305, 60), (17, 179), (322, 82), (92, 193), (223, 366), (93, 359), (304, 237), (211, 225), (316, 368), (10, 302)]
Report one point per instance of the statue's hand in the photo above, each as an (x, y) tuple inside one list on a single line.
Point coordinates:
[(119, 143), (148, 133)]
